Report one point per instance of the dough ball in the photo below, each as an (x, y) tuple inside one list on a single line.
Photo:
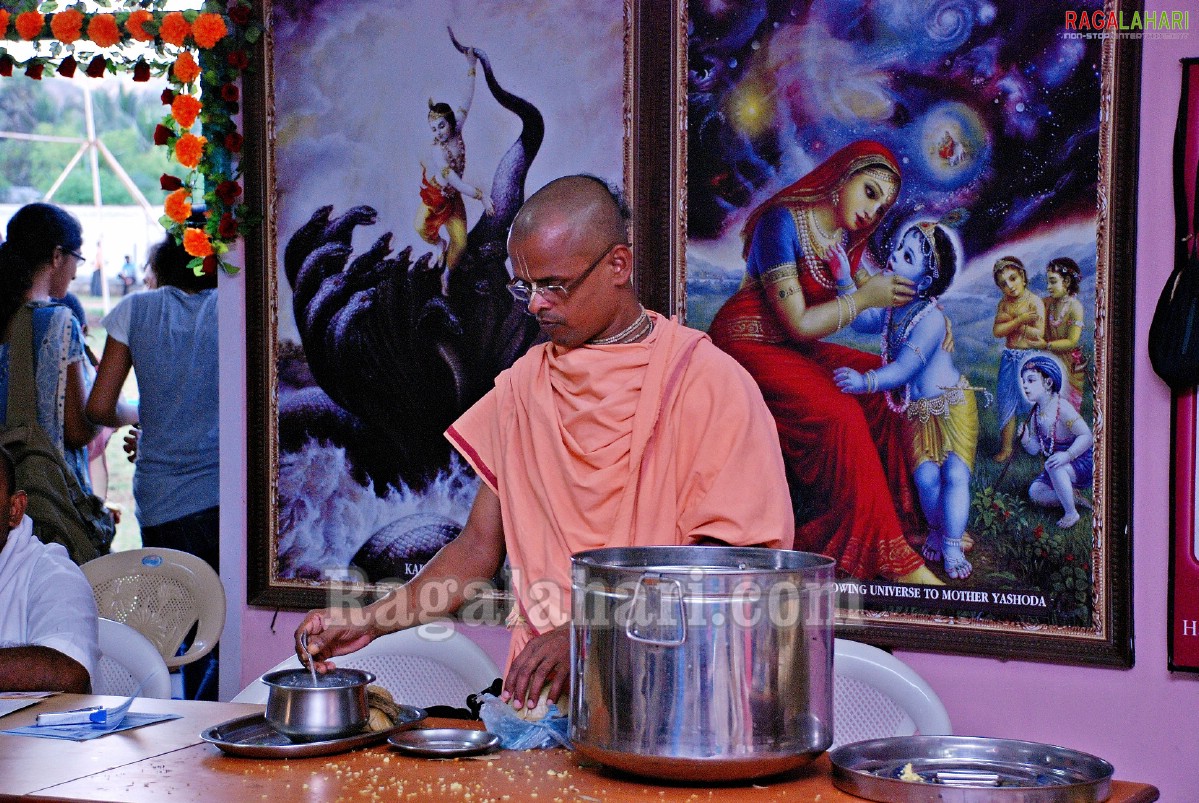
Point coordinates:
[(542, 708)]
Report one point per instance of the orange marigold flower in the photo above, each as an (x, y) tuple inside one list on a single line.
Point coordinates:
[(185, 109), (178, 205), (103, 30), (135, 22), (185, 68), (208, 29), (196, 242), (3, 22), (66, 25), (174, 28), (30, 24), (189, 149)]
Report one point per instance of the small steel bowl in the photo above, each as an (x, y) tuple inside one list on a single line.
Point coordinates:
[(335, 708)]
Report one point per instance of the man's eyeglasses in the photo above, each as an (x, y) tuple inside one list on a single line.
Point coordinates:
[(523, 291)]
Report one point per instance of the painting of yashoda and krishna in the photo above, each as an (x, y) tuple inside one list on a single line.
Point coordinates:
[(892, 225), (407, 134)]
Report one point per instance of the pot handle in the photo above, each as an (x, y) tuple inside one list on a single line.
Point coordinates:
[(649, 620)]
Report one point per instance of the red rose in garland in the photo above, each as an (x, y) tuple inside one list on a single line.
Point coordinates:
[(169, 183), (162, 134), (230, 93), (6, 65), (167, 97), (238, 59), (239, 13), (228, 191), (35, 70), (233, 142), (141, 71), (227, 228), (96, 67), (67, 68)]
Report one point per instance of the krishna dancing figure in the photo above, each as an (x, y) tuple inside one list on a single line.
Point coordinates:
[(442, 186)]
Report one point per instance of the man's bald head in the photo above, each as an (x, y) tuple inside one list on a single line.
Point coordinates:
[(583, 206)]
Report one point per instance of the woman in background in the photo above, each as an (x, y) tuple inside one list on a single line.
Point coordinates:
[(37, 263), (168, 337)]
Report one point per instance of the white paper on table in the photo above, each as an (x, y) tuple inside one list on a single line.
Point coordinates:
[(11, 701)]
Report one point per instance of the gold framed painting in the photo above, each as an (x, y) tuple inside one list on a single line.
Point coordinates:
[(393, 147), (961, 447)]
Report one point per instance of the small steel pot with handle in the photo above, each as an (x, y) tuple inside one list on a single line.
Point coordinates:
[(702, 663), (334, 708)]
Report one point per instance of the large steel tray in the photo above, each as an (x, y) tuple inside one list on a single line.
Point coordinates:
[(254, 737), (969, 769)]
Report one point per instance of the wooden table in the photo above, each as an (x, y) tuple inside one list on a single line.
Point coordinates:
[(28, 763), (199, 771)]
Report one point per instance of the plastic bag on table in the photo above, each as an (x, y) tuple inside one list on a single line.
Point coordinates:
[(520, 734)]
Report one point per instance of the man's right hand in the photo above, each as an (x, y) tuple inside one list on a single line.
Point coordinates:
[(326, 639)]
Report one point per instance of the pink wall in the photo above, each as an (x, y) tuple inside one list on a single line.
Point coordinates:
[(1144, 720)]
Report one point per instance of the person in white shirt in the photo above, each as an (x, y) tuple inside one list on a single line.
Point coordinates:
[(49, 637)]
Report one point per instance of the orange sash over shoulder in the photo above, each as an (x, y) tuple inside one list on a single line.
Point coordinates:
[(665, 441)]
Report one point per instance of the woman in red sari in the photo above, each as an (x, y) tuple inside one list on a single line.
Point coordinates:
[(803, 282)]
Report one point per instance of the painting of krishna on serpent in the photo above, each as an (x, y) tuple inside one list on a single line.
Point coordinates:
[(403, 139), (912, 224)]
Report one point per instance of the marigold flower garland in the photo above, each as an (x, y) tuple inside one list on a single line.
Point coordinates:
[(203, 90)]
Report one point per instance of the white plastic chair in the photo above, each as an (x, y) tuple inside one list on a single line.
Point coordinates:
[(876, 695), (428, 665), (161, 593), (127, 658)]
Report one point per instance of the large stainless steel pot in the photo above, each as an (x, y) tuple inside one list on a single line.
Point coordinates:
[(334, 708), (702, 663)]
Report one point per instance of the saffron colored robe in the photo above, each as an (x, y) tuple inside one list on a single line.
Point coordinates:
[(661, 442)]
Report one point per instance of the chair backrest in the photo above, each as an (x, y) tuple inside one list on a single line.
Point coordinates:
[(127, 658), (161, 593), (877, 695), (428, 665)]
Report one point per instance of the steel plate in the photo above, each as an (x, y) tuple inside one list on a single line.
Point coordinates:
[(968, 769), (444, 742), (254, 737)]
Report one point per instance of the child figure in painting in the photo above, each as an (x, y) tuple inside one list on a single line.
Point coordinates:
[(1063, 325), (1056, 431), (920, 380), (442, 186), (1020, 320)]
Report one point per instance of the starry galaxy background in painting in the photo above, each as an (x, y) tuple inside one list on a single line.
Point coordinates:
[(987, 104)]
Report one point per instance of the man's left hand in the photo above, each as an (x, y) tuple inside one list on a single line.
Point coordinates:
[(544, 660)]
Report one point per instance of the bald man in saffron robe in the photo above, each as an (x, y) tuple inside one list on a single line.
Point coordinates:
[(624, 429)]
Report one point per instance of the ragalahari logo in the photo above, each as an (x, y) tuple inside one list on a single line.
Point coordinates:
[(1135, 23)]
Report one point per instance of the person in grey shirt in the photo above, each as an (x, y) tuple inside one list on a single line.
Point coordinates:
[(168, 337)]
